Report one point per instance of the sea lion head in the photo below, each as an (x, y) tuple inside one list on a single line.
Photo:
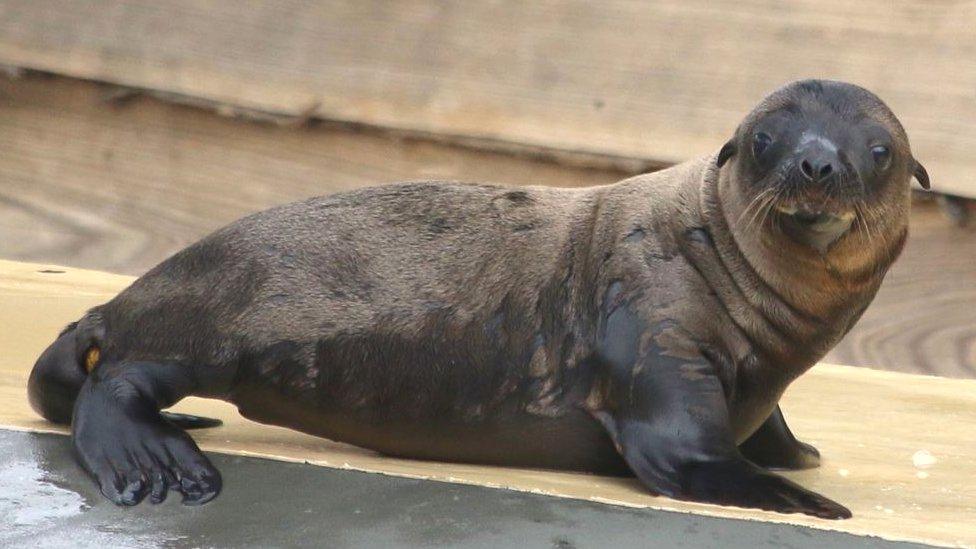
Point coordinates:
[(819, 162)]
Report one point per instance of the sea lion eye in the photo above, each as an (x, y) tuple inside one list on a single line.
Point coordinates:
[(91, 358), (882, 156), (760, 142)]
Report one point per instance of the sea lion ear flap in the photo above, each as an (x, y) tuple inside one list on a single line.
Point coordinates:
[(921, 175), (727, 152)]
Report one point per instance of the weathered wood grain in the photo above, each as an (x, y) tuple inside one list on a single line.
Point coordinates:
[(118, 188), (664, 80), (88, 184)]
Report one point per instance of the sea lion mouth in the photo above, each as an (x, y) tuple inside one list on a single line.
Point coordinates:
[(816, 228), (816, 220)]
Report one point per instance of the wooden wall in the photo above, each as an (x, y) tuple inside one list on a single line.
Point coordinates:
[(93, 182), (665, 80)]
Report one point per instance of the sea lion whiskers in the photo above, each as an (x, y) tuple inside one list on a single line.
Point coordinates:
[(769, 207), (766, 199), (760, 201), (755, 201), (861, 217)]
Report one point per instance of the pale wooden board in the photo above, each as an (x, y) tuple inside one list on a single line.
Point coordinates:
[(120, 188), (663, 80), (867, 424)]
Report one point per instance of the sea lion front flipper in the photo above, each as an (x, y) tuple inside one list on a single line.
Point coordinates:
[(124, 442), (773, 446), (671, 426), (189, 421)]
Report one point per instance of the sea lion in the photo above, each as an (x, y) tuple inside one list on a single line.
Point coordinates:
[(648, 326)]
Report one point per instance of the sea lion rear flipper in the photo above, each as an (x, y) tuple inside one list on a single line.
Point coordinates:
[(188, 421), (131, 449), (673, 430), (773, 446)]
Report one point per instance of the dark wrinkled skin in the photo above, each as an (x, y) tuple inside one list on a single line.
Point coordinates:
[(638, 327)]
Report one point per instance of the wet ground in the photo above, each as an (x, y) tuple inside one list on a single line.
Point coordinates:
[(47, 501)]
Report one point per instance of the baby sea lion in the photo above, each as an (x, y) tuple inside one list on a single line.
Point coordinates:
[(649, 326)]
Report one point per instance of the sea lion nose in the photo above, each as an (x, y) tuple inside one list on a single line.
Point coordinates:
[(818, 163)]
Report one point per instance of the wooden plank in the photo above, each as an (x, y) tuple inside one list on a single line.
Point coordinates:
[(89, 184), (664, 80)]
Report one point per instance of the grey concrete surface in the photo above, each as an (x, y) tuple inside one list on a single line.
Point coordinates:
[(46, 500)]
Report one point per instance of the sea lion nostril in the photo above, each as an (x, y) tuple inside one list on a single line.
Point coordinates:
[(816, 170), (807, 169)]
